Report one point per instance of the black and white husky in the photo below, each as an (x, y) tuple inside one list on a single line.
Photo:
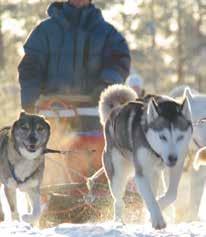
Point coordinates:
[(141, 138)]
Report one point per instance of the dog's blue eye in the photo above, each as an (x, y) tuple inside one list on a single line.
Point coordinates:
[(163, 138), (24, 127), (180, 138)]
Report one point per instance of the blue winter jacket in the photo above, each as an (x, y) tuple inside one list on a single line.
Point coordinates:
[(72, 51)]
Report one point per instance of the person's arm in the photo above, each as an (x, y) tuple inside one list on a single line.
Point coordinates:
[(116, 63), (116, 59), (32, 68)]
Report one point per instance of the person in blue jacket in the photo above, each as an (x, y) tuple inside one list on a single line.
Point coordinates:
[(74, 50)]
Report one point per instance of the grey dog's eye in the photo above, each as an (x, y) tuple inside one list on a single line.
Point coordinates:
[(24, 126), (39, 128), (179, 138), (163, 138)]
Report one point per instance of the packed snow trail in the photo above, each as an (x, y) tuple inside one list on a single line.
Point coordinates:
[(107, 229)]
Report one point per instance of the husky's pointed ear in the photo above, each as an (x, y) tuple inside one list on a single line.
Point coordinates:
[(152, 111), (22, 114), (188, 93), (45, 120), (186, 109)]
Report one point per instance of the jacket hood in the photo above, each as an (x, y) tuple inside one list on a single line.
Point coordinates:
[(66, 14)]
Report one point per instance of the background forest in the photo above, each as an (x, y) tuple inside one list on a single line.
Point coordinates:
[(167, 39)]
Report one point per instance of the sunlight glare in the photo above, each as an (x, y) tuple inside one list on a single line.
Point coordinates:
[(131, 6), (113, 16), (173, 25), (174, 78), (14, 26), (21, 202), (202, 213), (167, 59), (164, 42)]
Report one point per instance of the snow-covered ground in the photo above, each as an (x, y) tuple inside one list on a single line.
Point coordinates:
[(107, 229)]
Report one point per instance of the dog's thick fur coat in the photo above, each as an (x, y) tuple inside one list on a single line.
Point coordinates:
[(22, 161), (141, 138), (196, 178)]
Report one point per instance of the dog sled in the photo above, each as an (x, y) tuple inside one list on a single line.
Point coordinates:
[(75, 129)]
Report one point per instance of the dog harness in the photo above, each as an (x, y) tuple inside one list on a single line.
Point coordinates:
[(17, 179), (11, 167)]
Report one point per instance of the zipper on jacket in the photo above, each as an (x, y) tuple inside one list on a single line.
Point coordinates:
[(75, 50), (76, 25)]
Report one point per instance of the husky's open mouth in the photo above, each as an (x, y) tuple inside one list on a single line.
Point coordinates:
[(171, 163), (31, 147)]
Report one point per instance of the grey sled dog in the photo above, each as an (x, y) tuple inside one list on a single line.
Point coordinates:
[(196, 179), (22, 161), (142, 138)]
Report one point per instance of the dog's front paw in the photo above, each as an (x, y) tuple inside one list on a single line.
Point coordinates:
[(11, 183), (29, 218), (158, 223)]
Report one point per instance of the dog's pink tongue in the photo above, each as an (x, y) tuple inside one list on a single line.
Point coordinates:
[(32, 147)]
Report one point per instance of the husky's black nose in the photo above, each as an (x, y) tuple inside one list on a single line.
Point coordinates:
[(32, 139), (172, 159)]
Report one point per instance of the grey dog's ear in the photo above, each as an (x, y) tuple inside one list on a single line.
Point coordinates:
[(22, 114), (152, 111), (188, 93), (47, 122), (186, 109)]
